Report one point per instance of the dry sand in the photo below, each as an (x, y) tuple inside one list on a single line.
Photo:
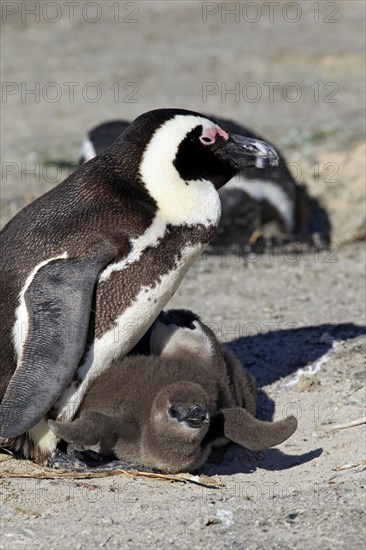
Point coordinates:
[(280, 312)]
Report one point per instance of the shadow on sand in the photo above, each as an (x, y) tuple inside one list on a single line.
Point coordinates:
[(276, 354), (270, 357), (236, 460)]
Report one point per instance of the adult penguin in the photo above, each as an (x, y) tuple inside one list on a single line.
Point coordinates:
[(88, 266)]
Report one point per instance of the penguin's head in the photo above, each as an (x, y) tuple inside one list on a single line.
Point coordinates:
[(198, 148), (205, 143), (180, 331), (182, 410), (179, 421), (181, 158), (100, 138)]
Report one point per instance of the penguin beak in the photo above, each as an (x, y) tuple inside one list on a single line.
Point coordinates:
[(240, 152), (166, 318), (195, 416), (180, 318)]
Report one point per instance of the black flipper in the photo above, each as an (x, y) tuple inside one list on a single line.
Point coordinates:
[(93, 427), (242, 383), (256, 435), (58, 303)]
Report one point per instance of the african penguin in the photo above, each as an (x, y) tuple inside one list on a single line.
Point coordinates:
[(253, 198), (167, 410), (88, 266)]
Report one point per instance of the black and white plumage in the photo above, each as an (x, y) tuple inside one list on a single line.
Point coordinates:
[(167, 410), (251, 199), (255, 197), (88, 266)]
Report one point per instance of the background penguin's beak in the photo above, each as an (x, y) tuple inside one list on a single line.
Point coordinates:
[(167, 318), (241, 151), (179, 317)]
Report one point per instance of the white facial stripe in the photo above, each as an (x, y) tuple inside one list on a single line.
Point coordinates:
[(198, 340), (179, 203), (87, 151), (20, 329), (171, 339), (266, 190), (118, 341)]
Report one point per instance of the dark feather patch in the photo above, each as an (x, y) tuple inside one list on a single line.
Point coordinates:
[(58, 303)]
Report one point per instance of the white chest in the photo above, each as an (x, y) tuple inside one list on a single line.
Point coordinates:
[(127, 330)]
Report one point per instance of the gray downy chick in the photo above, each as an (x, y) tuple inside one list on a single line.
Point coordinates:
[(167, 410)]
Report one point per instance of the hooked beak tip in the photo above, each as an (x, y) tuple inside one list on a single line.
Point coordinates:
[(270, 160), (252, 152)]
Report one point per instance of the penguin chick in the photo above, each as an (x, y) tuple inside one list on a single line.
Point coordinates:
[(167, 411), (87, 267)]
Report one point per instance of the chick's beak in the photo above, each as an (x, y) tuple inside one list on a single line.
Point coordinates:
[(195, 416)]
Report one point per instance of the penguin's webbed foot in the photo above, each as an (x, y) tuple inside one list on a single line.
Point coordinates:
[(64, 461), (78, 460), (85, 455)]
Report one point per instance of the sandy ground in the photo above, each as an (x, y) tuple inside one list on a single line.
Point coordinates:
[(280, 312)]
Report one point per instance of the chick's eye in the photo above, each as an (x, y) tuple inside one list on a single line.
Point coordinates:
[(173, 411)]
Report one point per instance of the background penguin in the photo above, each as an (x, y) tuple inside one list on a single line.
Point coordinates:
[(251, 199), (255, 197), (166, 411), (100, 138), (88, 266)]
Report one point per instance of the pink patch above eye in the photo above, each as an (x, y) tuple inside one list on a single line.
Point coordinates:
[(208, 135)]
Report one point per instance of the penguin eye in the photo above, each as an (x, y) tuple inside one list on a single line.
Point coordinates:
[(209, 135), (205, 140), (173, 411)]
